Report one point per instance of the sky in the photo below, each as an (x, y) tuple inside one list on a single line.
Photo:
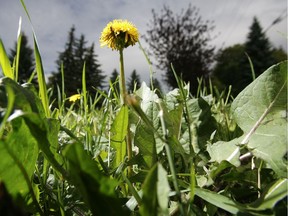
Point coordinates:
[(53, 19)]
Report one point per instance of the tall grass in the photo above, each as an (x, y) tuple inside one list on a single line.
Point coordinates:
[(73, 158)]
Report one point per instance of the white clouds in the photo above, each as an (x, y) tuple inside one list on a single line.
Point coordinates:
[(53, 19)]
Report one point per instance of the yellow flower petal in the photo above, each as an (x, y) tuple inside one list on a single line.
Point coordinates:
[(74, 98), (119, 34)]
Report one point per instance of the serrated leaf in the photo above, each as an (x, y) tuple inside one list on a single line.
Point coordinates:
[(261, 112)]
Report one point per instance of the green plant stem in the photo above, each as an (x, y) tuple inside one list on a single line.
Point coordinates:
[(122, 78), (123, 102)]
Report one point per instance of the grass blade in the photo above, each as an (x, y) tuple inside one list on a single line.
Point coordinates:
[(5, 63), (41, 79)]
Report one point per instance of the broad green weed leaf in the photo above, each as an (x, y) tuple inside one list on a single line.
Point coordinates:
[(29, 107), (173, 119), (202, 124), (147, 96), (39, 129), (155, 192), (145, 141), (261, 112), (225, 151), (25, 99), (149, 198), (18, 153), (119, 132), (98, 191), (163, 190), (219, 200)]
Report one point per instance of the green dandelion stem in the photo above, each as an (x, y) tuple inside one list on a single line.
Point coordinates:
[(123, 102), (122, 78)]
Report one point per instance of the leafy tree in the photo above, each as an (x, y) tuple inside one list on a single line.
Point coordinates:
[(181, 40), (279, 54), (233, 67), (72, 59), (228, 69), (26, 60), (134, 81)]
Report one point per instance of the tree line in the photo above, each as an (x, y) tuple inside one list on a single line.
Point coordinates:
[(180, 42)]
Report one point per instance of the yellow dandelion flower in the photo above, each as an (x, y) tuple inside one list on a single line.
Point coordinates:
[(119, 34), (74, 97)]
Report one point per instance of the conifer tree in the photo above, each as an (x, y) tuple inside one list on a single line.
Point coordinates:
[(94, 76), (233, 67), (72, 61), (26, 60), (134, 81), (156, 85), (259, 49), (114, 79)]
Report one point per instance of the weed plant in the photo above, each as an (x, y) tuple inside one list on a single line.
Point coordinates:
[(204, 155)]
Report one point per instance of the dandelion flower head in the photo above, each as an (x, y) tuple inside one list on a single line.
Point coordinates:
[(119, 34), (74, 97)]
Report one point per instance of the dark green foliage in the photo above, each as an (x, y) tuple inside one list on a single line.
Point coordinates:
[(228, 68), (233, 67), (156, 86), (133, 82), (114, 76), (114, 81), (259, 49), (26, 60), (181, 40), (72, 60)]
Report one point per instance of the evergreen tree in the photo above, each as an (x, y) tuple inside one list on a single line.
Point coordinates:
[(183, 41), (114, 76), (259, 49), (94, 75), (114, 79), (279, 54), (26, 60), (233, 67), (66, 62), (157, 86), (134, 81), (72, 60)]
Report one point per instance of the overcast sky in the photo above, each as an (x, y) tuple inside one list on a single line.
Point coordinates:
[(53, 19)]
